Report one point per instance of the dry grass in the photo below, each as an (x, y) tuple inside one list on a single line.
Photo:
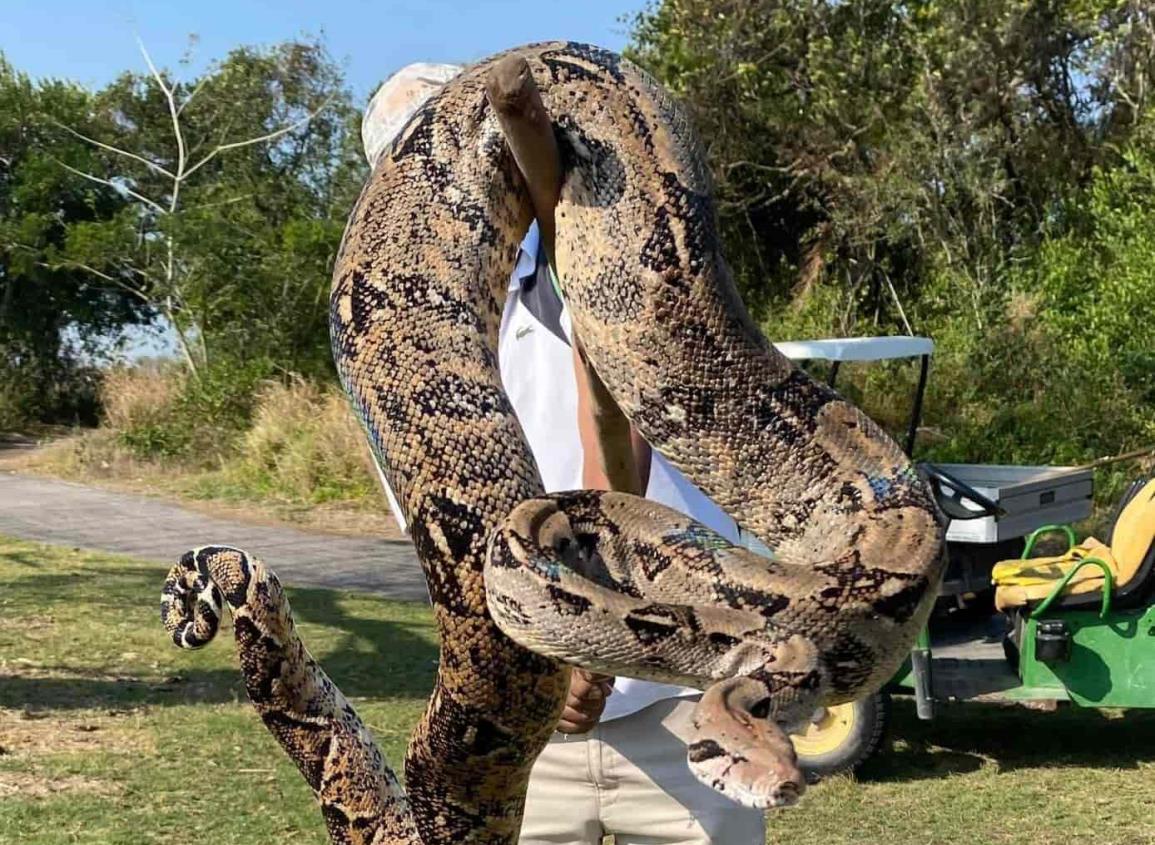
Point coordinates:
[(28, 786), (28, 734), (306, 443), (137, 396), (86, 455), (303, 459)]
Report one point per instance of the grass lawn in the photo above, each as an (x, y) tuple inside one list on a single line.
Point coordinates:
[(110, 735)]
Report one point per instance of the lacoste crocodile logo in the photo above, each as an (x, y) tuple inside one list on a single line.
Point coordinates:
[(522, 332)]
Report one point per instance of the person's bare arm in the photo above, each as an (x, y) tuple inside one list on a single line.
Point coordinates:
[(601, 426), (616, 457)]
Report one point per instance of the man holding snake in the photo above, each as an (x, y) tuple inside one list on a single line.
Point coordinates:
[(617, 761)]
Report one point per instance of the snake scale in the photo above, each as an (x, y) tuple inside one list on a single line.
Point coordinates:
[(523, 584)]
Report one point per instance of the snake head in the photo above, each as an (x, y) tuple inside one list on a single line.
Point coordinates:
[(746, 757)]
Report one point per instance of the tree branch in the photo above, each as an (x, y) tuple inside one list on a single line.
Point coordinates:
[(284, 130), (112, 185), (734, 165), (201, 84), (152, 68), (151, 165), (229, 201), (178, 177), (100, 274)]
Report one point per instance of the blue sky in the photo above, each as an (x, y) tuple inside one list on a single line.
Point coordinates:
[(90, 41)]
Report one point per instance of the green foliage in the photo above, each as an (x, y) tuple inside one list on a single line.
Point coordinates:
[(52, 312), (1064, 372), (224, 231), (234, 220), (976, 173), (1097, 282), (871, 143), (202, 418)]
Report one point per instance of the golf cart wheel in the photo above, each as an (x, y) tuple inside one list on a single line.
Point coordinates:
[(842, 737)]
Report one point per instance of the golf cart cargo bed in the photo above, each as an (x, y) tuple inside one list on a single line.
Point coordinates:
[(1031, 496)]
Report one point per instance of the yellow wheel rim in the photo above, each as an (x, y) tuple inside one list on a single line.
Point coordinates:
[(830, 728)]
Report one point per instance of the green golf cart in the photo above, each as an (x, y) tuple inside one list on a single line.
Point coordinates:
[(1074, 627)]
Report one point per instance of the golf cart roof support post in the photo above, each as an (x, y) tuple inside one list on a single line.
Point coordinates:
[(916, 411), (529, 134)]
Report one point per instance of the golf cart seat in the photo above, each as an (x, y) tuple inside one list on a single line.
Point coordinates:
[(1129, 557)]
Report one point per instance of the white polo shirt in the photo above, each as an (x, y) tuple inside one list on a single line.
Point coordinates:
[(536, 362)]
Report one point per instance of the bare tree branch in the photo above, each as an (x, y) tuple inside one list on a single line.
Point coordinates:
[(734, 165), (168, 297), (897, 302), (152, 68), (15, 245), (100, 274), (229, 201), (151, 165), (175, 113), (113, 185), (284, 130)]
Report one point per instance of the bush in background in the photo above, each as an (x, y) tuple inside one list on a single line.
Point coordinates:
[(166, 413), (304, 445), (986, 180)]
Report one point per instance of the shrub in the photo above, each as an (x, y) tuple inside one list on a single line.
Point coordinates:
[(31, 397), (164, 413), (304, 444), (229, 435)]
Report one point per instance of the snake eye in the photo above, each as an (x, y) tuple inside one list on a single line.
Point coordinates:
[(761, 710), (566, 549)]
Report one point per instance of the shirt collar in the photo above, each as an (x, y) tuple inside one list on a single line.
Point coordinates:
[(526, 266)]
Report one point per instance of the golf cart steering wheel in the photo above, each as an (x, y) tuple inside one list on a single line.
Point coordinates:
[(952, 493)]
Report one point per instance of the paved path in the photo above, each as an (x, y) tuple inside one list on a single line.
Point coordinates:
[(66, 514)]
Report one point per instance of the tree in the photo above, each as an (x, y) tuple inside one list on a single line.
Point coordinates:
[(969, 170), (51, 313), (873, 146), (235, 186)]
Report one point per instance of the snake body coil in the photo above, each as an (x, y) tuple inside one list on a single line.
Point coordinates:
[(607, 581)]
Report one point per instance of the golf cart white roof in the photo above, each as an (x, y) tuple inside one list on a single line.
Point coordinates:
[(856, 348)]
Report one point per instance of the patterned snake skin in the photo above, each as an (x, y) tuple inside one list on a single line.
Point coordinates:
[(521, 581)]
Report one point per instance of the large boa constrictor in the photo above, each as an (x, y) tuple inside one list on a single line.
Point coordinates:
[(606, 581)]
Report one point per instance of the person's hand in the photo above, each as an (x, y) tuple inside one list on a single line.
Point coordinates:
[(585, 702)]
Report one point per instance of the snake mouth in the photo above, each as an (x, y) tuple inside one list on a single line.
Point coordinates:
[(786, 795), (758, 795)]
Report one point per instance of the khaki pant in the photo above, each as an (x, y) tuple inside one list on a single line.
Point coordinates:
[(628, 777)]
